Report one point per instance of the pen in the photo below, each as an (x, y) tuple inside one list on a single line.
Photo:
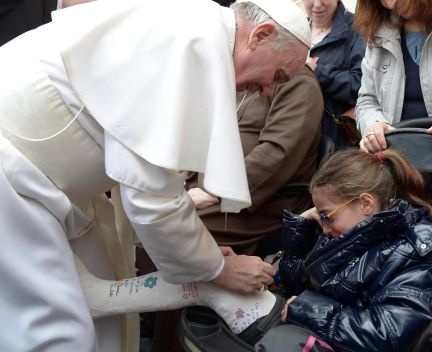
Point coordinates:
[(277, 256)]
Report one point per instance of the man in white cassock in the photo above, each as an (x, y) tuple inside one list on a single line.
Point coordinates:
[(127, 93)]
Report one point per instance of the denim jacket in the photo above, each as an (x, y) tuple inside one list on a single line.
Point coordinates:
[(381, 95)]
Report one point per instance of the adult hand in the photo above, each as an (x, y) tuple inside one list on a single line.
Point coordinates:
[(312, 62), (429, 130), (202, 199), (245, 274), (373, 140), (67, 3), (311, 214), (226, 251), (284, 312)]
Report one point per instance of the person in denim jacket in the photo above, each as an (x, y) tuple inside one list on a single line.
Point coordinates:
[(396, 80), (357, 267)]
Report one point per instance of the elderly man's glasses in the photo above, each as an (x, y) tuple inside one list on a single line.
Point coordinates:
[(326, 217)]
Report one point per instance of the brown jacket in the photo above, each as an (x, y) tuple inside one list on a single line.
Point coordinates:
[(280, 136)]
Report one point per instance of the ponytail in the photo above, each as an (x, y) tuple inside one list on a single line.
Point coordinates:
[(386, 174), (408, 180)]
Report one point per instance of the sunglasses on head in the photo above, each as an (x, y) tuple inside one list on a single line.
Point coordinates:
[(326, 217)]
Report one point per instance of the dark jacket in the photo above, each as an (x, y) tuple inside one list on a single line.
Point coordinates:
[(280, 136), (339, 66), (19, 16), (369, 289)]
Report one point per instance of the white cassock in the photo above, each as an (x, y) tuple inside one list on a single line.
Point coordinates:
[(156, 80)]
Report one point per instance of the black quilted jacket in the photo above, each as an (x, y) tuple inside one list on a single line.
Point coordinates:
[(369, 289)]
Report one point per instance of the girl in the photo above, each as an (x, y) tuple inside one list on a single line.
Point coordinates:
[(365, 282)]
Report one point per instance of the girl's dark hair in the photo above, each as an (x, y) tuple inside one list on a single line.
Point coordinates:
[(370, 14), (351, 172)]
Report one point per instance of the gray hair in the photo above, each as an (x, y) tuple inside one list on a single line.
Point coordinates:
[(253, 15)]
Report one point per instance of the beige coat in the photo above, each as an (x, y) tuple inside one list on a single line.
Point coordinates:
[(280, 135)]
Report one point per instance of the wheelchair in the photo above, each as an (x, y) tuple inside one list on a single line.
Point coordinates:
[(411, 140)]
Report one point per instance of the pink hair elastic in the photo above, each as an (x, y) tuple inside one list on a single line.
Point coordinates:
[(380, 156)]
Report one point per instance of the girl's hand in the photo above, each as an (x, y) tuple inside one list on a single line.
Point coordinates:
[(311, 214), (285, 309)]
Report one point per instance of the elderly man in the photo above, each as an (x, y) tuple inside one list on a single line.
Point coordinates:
[(280, 134), (129, 93)]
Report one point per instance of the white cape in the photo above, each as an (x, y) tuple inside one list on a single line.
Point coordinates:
[(159, 77)]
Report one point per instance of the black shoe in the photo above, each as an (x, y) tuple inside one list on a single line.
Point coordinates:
[(202, 329)]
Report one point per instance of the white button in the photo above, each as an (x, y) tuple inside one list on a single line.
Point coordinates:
[(423, 246)]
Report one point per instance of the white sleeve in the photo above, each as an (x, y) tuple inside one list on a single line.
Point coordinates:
[(368, 109), (163, 216)]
